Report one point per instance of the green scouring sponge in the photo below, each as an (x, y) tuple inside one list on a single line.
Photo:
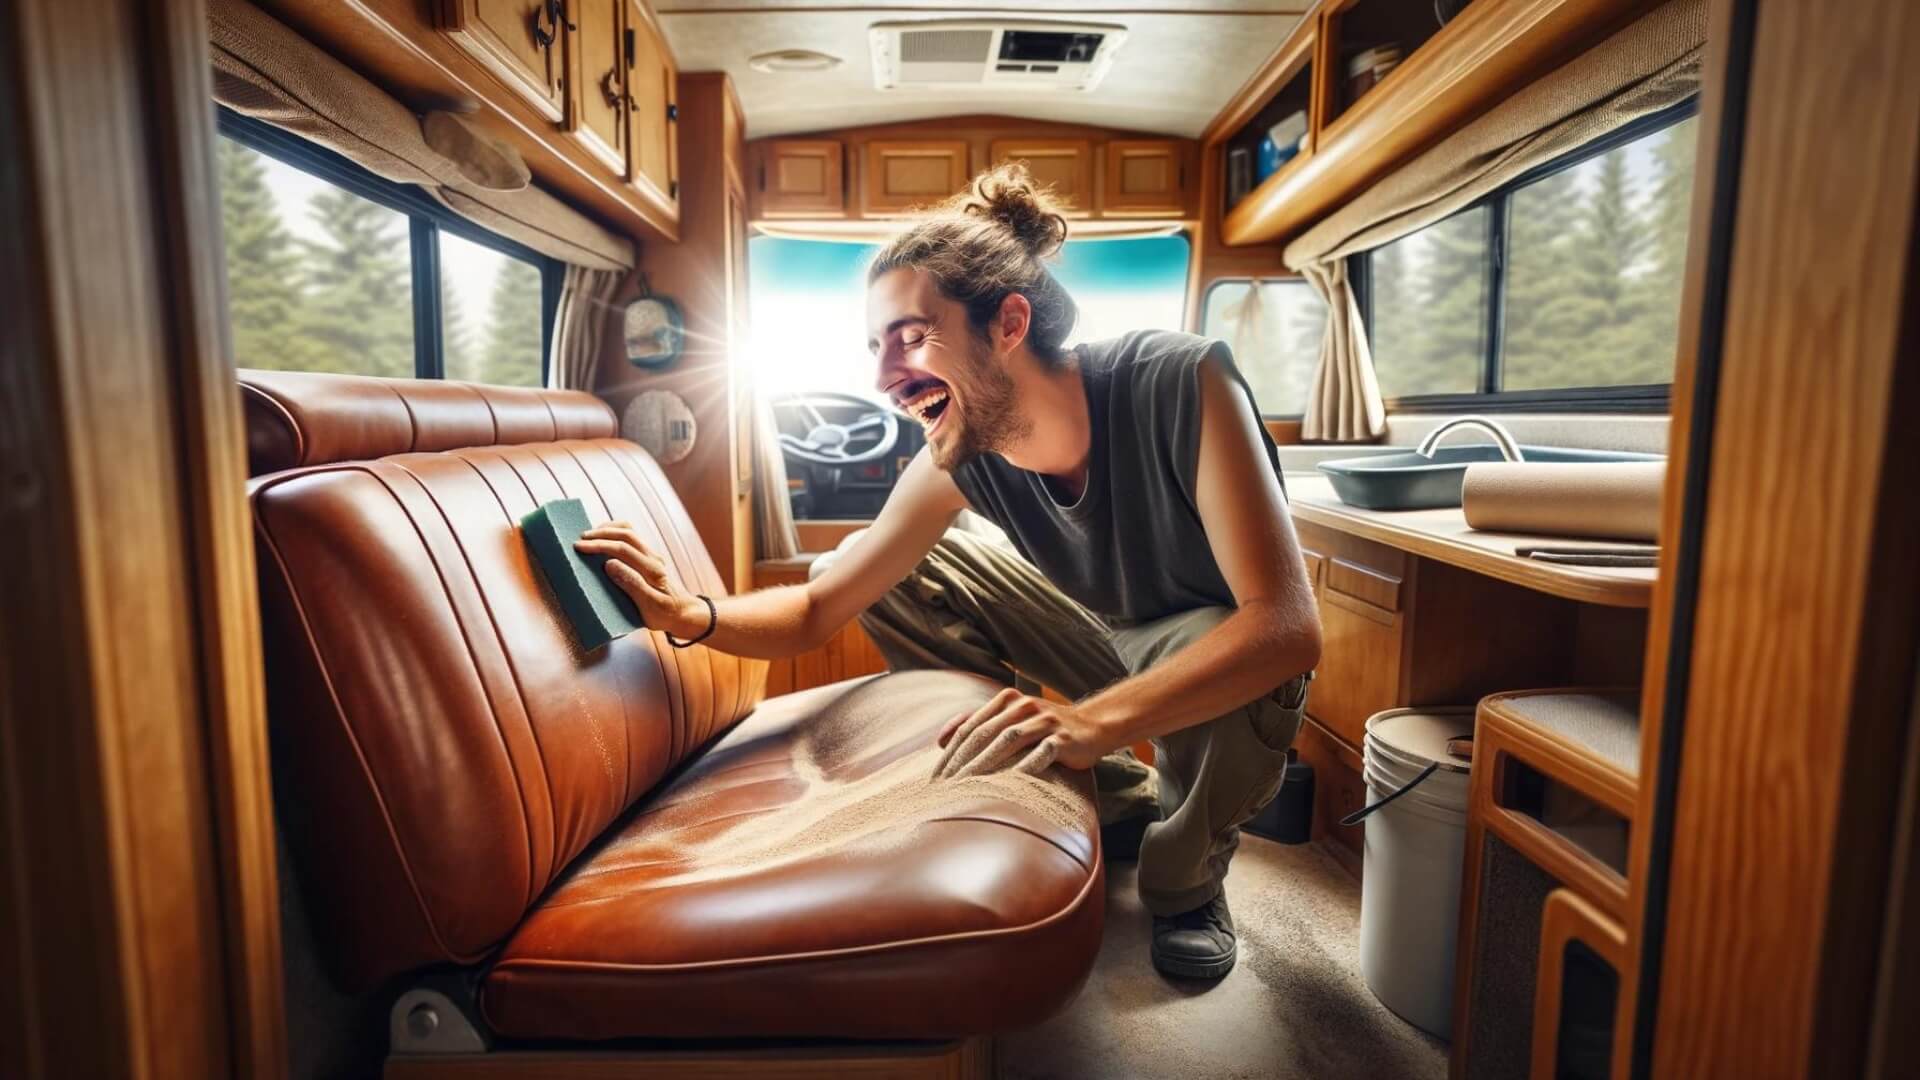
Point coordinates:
[(594, 606)]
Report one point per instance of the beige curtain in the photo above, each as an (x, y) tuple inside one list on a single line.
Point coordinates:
[(264, 70), (1648, 66), (772, 505), (579, 325), (1344, 404)]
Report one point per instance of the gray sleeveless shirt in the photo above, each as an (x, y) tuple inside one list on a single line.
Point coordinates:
[(1131, 548)]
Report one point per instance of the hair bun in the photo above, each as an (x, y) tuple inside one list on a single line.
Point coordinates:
[(1008, 195)]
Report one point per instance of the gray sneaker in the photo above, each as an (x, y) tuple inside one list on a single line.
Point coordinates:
[(1197, 944)]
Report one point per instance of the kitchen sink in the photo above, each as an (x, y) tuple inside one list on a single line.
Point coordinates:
[(1409, 481)]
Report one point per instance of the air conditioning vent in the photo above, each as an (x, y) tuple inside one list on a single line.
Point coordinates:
[(945, 46), (1006, 55)]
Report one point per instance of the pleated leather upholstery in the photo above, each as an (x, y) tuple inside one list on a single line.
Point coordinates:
[(448, 747)]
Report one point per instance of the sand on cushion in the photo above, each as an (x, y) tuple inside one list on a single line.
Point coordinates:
[(864, 766)]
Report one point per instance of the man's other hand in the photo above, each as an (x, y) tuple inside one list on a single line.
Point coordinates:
[(1020, 732), (642, 575)]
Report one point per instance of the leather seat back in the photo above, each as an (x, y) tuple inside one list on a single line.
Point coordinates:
[(444, 750)]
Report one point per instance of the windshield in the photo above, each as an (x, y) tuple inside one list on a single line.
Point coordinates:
[(809, 306)]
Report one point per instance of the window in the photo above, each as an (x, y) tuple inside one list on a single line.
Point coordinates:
[(1274, 329), (330, 268), (1563, 285), (809, 303)]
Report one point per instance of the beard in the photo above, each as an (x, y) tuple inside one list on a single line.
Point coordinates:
[(991, 420)]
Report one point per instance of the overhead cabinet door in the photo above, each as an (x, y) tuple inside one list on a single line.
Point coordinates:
[(522, 42), (654, 114), (901, 175), (599, 100), (1065, 165), (1145, 178), (802, 176)]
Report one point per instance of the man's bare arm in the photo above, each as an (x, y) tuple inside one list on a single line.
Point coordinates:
[(1274, 632), (775, 623)]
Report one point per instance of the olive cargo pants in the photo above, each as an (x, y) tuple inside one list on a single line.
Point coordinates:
[(975, 605)]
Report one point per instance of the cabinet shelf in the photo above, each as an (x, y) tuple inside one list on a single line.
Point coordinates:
[(1487, 52)]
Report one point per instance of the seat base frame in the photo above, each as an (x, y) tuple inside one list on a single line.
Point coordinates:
[(966, 1059)]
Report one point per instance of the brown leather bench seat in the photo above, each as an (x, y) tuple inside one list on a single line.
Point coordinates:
[(627, 843)]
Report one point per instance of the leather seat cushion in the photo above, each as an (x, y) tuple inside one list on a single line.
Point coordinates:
[(806, 877)]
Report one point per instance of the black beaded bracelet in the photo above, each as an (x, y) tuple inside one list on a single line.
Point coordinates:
[(713, 623)]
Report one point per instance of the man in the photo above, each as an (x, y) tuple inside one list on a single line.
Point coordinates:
[(1135, 478)]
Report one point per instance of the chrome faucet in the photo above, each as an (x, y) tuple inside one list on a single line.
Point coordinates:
[(1501, 437)]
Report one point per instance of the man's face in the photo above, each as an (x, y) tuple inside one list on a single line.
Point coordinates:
[(936, 370)]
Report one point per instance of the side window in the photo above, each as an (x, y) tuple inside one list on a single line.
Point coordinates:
[(489, 314), (1564, 283), (318, 279), (326, 272), (1274, 329), (1429, 308), (1593, 296)]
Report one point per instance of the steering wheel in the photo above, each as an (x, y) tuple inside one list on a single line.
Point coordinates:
[(827, 443)]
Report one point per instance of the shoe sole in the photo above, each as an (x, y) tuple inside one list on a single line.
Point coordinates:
[(1195, 969)]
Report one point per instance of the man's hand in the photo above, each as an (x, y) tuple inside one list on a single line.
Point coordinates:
[(642, 575), (1020, 732)]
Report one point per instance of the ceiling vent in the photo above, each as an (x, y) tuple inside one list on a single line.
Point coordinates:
[(994, 54)]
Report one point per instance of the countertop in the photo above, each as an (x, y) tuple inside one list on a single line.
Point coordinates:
[(1443, 535)]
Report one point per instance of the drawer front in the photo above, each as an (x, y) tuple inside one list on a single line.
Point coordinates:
[(1362, 589)]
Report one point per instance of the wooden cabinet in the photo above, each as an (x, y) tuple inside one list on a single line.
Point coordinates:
[(904, 174), (802, 177), (652, 106), (522, 43), (1065, 165), (1145, 178), (597, 107)]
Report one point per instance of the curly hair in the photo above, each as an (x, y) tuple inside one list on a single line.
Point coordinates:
[(987, 243)]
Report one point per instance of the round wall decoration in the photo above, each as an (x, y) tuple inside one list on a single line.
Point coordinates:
[(661, 423), (655, 332)]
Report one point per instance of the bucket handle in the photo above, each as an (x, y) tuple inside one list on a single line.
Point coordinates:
[(1364, 812)]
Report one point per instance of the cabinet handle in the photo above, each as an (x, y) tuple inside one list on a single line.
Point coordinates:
[(673, 111), (629, 47), (610, 86), (545, 36)]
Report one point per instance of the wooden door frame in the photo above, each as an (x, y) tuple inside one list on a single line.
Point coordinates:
[(1781, 667), (137, 882)]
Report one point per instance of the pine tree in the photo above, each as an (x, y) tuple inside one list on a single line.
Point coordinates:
[(1601, 308), (1452, 327), (359, 310), (1540, 243), (1669, 206), (456, 336), (263, 287), (512, 353)]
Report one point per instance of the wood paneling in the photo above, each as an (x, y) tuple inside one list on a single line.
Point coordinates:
[(1053, 150), (139, 903), (905, 174), (1797, 670), (802, 177), (1064, 165), (521, 43), (1145, 178), (1489, 50), (653, 109), (596, 107), (1567, 919), (1338, 790), (704, 272), (404, 48)]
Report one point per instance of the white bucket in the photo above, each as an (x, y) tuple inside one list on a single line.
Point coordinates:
[(1410, 888)]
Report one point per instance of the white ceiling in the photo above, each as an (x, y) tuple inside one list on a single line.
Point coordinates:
[(1180, 63)]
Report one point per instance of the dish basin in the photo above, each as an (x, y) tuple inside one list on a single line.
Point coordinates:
[(1411, 482)]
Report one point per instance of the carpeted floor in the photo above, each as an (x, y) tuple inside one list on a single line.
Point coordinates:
[(1294, 1006)]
